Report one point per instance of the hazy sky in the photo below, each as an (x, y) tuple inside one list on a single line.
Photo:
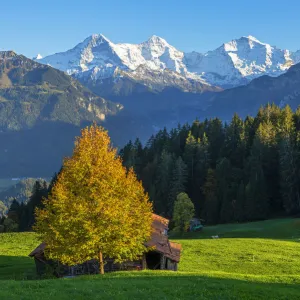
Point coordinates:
[(30, 27)]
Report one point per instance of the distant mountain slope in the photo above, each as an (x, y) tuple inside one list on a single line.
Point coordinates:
[(21, 191), (282, 90), (31, 92), (41, 111), (232, 64)]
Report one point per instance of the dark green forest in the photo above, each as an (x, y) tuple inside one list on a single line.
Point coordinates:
[(240, 171), (21, 215), (244, 170)]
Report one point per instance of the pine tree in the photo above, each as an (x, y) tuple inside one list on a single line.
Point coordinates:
[(189, 154), (189, 157), (215, 134), (257, 204), (96, 208), (249, 134), (239, 204), (14, 211), (223, 175), (163, 183), (39, 192), (178, 183), (202, 164), (211, 209), (234, 143), (266, 147), (289, 163)]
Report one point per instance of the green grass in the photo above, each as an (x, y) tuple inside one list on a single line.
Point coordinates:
[(259, 260), (14, 260), (286, 229)]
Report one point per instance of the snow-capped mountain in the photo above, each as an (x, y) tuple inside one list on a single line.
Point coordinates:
[(234, 63), (240, 61), (98, 56), (37, 57)]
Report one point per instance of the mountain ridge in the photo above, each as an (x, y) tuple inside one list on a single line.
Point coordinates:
[(31, 92), (42, 109), (234, 63)]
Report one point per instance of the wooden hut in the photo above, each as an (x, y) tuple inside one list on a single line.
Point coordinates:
[(162, 254)]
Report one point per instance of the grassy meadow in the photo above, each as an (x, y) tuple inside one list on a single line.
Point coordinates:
[(258, 260)]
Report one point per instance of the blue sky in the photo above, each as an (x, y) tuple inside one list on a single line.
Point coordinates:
[(30, 27)]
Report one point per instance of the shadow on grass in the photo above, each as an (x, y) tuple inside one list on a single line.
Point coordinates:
[(233, 235), (277, 229), (151, 285), (17, 268)]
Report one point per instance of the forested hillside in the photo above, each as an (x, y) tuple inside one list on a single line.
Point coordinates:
[(244, 170), (41, 111)]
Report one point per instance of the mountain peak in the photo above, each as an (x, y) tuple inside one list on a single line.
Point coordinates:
[(253, 39), (154, 39), (37, 57), (7, 54), (233, 63), (96, 39), (99, 36)]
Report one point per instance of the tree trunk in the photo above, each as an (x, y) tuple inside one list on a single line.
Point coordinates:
[(101, 264)]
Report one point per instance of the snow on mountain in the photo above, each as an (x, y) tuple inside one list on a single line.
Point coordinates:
[(100, 54), (234, 63), (239, 61), (39, 56), (296, 57)]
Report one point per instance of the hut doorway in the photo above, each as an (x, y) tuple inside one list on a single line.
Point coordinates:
[(153, 260)]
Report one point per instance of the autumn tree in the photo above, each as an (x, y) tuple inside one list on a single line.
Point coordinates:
[(3, 209), (96, 207)]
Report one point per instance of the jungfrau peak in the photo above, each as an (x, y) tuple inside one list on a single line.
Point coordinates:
[(240, 61), (234, 63)]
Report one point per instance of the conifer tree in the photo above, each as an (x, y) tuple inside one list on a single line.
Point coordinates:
[(266, 148), (211, 209), (202, 164), (96, 208), (14, 211), (289, 162), (215, 134), (163, 182), (27, 218), (249, 134), (189, 154), (223, 175), (239, 203), (178, 183), (257, 204), (234, 143), (189, 157)]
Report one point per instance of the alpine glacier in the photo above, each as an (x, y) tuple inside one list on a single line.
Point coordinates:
[(232, 64)]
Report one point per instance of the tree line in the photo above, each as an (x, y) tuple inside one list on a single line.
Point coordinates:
[(242, 170), (21, 216)]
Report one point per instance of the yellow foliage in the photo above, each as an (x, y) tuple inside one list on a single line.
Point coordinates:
[(95, 206)]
